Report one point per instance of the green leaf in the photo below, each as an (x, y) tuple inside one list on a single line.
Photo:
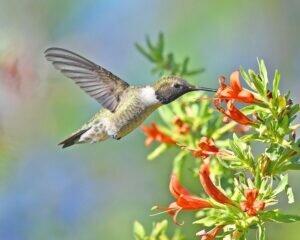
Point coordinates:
[(149, 44), (258, 178), (276, 81), (275, 216), (138, 231), (263, 73), (177, 235), (166, 114), (250, 183), (240, 153), (184, 66), (161, 43), (177, 109), (164, 64), (259, 86), (246, 77), (178, 163), (295, 166), (294, 109), (207, 221), (144, 52), (158, 151), (263, 185), (170, 60), (243, 236), (281, 185), (269, 189), (289, 193), (159, 229), (261, 231)]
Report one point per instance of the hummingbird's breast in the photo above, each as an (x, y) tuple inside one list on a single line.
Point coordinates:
[(138, 104), (135, 106)]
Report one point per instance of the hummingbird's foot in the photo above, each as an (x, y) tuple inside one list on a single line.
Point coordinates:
[(116, 137)]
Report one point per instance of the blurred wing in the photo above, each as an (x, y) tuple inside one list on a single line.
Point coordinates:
[(95, 80)]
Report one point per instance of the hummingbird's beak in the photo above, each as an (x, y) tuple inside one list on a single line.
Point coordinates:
[(193, 88)]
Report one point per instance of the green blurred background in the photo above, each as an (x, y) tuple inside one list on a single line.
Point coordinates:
[(97, 191)]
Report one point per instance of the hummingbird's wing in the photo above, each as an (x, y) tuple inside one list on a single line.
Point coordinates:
[(95, 80)]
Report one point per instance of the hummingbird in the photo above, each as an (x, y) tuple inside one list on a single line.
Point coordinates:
[(125, 107)]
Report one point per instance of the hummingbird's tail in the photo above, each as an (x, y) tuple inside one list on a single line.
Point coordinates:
[(73, 139)]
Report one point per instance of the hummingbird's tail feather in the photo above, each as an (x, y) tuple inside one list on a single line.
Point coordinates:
[(73, 139)]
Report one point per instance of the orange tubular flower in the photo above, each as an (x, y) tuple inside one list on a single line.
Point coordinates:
[(184, 199), (183, 128), (207, 148), (230, 94), (235, 91), (211, 235), (210, 188), (233, 112), (154, 134), (251, 206)]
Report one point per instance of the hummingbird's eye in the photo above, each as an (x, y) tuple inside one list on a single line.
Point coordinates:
[(176, 85)]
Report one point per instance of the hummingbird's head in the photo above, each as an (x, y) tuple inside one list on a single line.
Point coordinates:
[(169, 88)]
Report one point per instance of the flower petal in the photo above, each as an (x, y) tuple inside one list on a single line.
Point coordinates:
[(176, 188), (236, 115), (234, 91), (211, 235), (245, 96), (188, 202), (251, 195), (155, 134), (251, 206), (235, 81), (210, 188)]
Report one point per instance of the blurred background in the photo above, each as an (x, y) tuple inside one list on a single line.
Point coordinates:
[(97, 191)]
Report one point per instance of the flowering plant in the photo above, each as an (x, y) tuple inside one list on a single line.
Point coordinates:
[(240, 185)]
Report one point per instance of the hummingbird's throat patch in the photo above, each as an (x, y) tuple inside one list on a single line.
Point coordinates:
[(148, 96)]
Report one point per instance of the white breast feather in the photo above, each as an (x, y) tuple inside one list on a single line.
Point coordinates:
[(147, 95), (110, 127)]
